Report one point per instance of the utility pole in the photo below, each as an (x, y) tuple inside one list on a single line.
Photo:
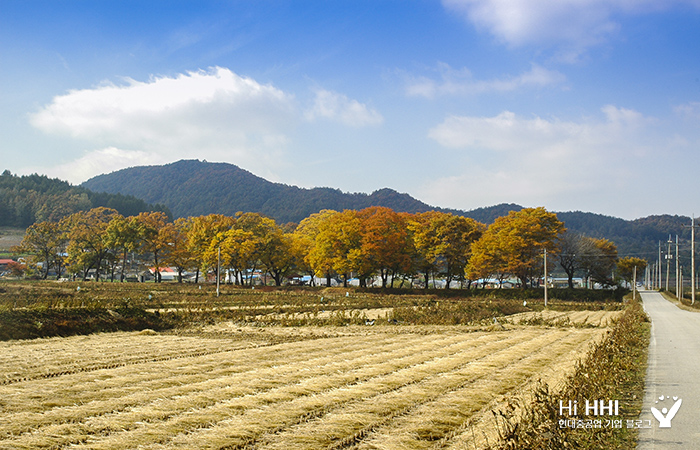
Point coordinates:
[(668, 261), (218, 269), (634, 284), (678, 284), (692, 259), (545, 277), (658, 267)]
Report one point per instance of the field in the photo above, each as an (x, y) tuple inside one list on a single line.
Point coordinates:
[(276, 368), (226, 386)]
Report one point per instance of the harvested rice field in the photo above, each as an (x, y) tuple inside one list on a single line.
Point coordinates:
[(564, 318), (236, 387)]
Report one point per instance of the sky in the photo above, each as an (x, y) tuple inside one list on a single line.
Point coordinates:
[(588, 105)]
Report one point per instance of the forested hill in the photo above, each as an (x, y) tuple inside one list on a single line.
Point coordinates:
[(192, 188), (27, 199)]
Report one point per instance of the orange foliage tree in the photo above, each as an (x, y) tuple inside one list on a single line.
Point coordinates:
[(514, 244)]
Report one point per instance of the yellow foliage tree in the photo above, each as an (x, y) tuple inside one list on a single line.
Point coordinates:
[(153, 237), (201, 231), (45, 242), (514, 244), (88, 244)]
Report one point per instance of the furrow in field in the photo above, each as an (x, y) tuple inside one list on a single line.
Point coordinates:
[(448, 414), (78, 388), (315, 389), (258, 380), (48, 358), (122, 389), (480, 430), (347, 425), (247, 428)]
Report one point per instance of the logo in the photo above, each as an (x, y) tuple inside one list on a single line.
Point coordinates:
[(666, 415)]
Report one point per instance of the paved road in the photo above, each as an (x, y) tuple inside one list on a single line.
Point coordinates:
[(673, 371)]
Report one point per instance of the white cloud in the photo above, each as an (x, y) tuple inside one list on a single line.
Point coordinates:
[(214, 114), (461, 82), (507, 158), (198, 102), (339, 108), (100, 161), (690, 110), (571, 25)]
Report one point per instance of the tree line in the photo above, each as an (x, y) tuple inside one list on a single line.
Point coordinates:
[(368, 244)]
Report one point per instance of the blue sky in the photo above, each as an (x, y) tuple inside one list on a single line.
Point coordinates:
[(589, 105)]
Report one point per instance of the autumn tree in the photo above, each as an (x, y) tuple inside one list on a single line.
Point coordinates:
[(122, 235), (337, 244), (304, 246), (153, 237), (201, 231), (426, 243), (626, 267), (515, 243), (456, 235), (269, 244), (600, 260), (46, 243), (177, 253), (88, 245), (238, 251), (385, 245), (443, 243)]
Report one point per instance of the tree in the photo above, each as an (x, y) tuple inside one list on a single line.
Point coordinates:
[(238, 251), (600, 260), (337, 244), (304, 246), (122, 235), (275, 250), (87, 244), (573, 250), (201, 231), (515, 243), (385, 244), (46, 243), (626, 267), (153, 237), (426, 243), (177, 253), (443, 243), (456, 235)]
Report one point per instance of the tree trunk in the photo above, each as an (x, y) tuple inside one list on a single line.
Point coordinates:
[(123, 265)]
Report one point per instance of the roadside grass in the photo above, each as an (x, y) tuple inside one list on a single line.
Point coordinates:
[(614, 369), (684, 302)]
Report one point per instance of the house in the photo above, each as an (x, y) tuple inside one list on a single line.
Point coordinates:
[(166, 273)]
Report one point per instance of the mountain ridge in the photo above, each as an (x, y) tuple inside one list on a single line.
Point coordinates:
[(193, 187)]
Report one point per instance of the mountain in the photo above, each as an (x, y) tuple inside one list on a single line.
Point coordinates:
[(27, 199), (191, 188)]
